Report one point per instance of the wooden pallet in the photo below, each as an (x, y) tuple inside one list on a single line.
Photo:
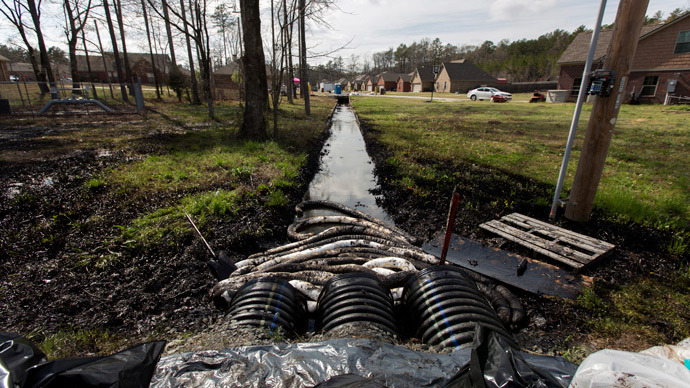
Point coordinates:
[(572, 249)]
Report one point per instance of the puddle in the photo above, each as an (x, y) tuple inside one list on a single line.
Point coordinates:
[(346, 172)]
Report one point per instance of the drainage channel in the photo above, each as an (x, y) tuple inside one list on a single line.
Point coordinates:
[(346, 172)]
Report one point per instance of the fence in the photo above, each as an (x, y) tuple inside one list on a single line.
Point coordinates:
[(24, 97)]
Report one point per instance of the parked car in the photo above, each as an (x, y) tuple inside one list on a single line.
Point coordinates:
[(485, 93), (14, 78)]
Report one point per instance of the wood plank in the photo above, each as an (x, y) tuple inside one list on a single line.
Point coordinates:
[(591, 241), (567, 247), (563, 254), (539, 277)]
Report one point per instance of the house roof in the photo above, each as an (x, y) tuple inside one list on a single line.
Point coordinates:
[(465, 71), (426, 73), (665, 25), (20, 67), (389, 77), (405, 77), (577, 51), (227, 69), (3, 59)]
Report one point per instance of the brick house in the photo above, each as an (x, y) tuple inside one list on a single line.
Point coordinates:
[(387, 81), (224, 87), (404, 84), (662, 58), (140, 64), (461, 76), (422, 79)]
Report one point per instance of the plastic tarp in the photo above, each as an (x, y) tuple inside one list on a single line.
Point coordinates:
[(23, 365), (660, 366), (334, 363)]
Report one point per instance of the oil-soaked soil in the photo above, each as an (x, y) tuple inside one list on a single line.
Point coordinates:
[(49, 220), (53, 229)]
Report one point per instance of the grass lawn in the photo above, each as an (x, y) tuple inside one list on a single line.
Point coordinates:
[(646, 179), (646, 182)]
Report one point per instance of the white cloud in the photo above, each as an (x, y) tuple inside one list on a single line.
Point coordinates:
[(511, 9)]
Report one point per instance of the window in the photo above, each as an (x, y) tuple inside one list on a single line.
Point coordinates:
[(683, 42), (576, 86), (649, 85)]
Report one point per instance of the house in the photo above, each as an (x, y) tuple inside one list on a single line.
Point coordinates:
[(140, 64), (404, 84), (22, 70), (4, 71), (461, 76), (224, 86), (422, 79), (356, 84), (661, 64), (387, 81), (368, 84)]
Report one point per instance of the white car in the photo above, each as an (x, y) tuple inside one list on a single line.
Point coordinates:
[(485, 93)]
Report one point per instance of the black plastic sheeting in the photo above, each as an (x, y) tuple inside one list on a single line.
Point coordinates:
[(360, 363), (23, 365)]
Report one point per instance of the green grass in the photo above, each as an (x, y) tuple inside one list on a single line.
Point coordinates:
[(68, 342), (646, 179), (649, 309)]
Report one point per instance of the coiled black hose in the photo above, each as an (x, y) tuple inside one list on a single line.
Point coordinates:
[(445, 306), (355, 297), (272, 303)]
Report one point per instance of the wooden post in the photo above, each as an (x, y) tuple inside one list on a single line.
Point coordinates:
[(605, 110)]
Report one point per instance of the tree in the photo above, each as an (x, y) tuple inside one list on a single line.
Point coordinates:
[(148, 38), (35, 11), (254, 64), (116, 52), (14, 11), (222, 19), (76, 15)]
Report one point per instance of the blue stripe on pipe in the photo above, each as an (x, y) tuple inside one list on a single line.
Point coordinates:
[(443, 313)]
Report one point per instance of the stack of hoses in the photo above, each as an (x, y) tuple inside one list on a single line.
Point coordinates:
[(351, 242)]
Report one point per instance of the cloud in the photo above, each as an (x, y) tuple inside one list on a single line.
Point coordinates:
[(512, 9)]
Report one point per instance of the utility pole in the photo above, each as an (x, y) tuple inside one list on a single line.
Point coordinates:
[(626, 33)]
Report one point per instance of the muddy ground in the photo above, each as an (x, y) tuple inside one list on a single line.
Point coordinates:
[(50, 223)]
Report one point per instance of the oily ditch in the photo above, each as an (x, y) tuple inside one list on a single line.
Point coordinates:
[(162, 292)]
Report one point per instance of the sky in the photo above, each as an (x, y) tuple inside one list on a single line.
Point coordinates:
[(367, 26), (376, 25)]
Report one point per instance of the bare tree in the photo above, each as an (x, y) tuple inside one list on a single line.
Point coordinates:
[(116, 53), (120, 22), (183, 15), (35, 11), (76, 15), (13, 11), (153, 59), (166, 20)]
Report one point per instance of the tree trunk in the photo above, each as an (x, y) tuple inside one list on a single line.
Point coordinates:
[(304, 81), (254, 64), (105, 63), (195, 90), (120, 23), (148, 37), (88, 65), (166, 20), (116, 53), (43, 51)]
